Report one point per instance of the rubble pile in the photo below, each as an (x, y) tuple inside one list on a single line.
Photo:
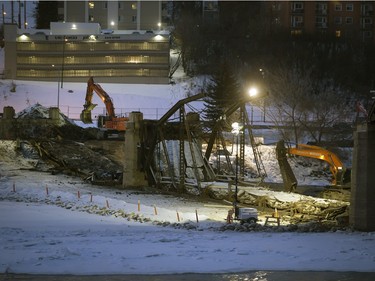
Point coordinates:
[(30, 125), (58, 143), (77, 159), (297, 208)]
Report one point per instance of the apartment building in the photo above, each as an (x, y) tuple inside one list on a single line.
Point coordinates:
[(339, 19), (117, 15)]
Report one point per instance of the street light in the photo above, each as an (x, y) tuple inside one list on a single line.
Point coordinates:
[(253, 92), (236, 130)]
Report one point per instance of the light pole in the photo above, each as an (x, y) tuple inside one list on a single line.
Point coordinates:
[(58, 88), (236, 130), (63, 61)]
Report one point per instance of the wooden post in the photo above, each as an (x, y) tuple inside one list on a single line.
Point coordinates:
[(155, 211)]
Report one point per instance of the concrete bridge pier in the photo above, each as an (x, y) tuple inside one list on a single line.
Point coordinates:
[(133, 176), (362, 204)]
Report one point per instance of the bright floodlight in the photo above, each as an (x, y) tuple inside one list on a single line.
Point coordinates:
[(236, 128), (253, 92), (235, 125)]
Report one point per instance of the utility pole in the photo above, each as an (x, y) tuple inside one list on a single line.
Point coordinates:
[(3, 12), (19, 13), (24, 14), (12, 11)]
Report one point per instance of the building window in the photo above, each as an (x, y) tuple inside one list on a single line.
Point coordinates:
[(210, 5), (321, 22), (134, 6), (349, 20), (91, 18), (297, 7), (134, 19), (349, 7), (91, 5), (296, 32), (120, 5), (367, 34), (321, 8), (367, 21), (276, 21), (105, 5), (338, 33), (120, 18), (297, 21), (367, 10), (338, 20), (276, 6), (338, 7)]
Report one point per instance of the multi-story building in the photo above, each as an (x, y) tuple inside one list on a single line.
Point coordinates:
[(117, 15), (340, 19), (115, 41), (76, 51)]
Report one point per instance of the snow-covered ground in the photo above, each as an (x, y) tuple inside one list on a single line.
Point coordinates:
[(58, 224), (55, 224)]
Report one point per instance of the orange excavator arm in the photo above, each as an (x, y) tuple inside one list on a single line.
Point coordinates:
[(89, 106), (336, 166)]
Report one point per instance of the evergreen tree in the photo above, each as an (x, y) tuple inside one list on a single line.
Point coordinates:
[(222, 93)]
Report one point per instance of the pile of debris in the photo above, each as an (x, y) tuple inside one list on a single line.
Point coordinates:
[(56, 143), (296, 208), (77, 159)]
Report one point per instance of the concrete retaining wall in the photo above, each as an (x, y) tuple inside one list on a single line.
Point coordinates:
[(362, 205)]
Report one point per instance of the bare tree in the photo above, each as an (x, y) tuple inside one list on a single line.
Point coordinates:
[(303, 104), (288, 87)]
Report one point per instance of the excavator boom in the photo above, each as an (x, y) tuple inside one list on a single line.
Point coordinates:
[(336, 166)]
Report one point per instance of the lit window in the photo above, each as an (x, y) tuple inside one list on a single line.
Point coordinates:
[(134, 6), (296, 32), (349, 7), (338, 7), (91, 5), (338, 33)]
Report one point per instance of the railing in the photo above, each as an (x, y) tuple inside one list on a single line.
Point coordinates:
[(256, 114)]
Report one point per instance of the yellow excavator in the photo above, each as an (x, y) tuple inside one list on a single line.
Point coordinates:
[(109, 121), (337, 168)]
